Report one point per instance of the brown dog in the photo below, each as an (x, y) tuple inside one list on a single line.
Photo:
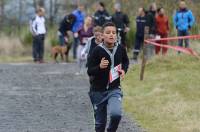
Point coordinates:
[(60, 50)]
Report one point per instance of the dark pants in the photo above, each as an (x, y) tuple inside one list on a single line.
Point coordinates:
[(163, 42), (107, 102), (180, 42), (62, 40), (139, 40), (122, 38), (38, 47), (75, 46)]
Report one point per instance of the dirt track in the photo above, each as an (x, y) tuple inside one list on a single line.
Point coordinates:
[(46, 98)]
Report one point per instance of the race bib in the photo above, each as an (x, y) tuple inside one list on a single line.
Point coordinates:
[(114, 73)]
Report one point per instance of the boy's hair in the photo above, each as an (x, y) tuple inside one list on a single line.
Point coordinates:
[(102, 4), (71, 18), (97, 29), (159, 9), (144, 10), (108, 24), (40, 9)]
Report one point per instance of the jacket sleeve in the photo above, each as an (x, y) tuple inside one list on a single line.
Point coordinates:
[(77, 25), (175, 19), (126, 20), (191, 18), (125, 60), (87, 47), (108, 17), (94, 63), (34, 26)]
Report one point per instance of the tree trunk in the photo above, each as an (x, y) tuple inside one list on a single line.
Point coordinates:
[(1, 13), (41, 3), (35, 4), (51, 12), (20, 14)]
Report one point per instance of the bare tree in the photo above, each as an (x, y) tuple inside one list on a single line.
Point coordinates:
[(20, 2), (2, 12), (51, 15), (35, 4), (41, 3)]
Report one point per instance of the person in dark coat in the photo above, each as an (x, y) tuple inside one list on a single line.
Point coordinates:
[(121, 21), (101, 16), (139, 36), (65, 25)]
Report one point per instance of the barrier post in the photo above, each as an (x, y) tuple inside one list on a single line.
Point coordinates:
[(144, 55)]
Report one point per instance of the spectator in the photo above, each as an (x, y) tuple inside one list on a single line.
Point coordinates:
[(84, 33), (121, 21), (107, 65), (39, 31), (183, 21), (65, 25), (162, 29), (80, 16), (101, 16), (92, 42), (139, 36), (151, 24)]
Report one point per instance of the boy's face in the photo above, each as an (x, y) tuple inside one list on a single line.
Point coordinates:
[(110, 35), (41, 13), (81, 7), (140, 11), (182, 5), (98, 37), (162, 12)]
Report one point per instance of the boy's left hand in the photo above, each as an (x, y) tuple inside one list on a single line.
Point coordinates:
[(122, 74)]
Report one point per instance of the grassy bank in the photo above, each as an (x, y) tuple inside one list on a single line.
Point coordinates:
[(168, 100)]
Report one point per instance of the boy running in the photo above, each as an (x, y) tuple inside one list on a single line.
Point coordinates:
[(106, 66)]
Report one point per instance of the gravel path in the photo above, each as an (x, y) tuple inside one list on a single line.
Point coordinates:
[(47, 98)]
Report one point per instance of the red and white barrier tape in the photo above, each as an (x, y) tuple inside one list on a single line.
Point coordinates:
[(188, 51)]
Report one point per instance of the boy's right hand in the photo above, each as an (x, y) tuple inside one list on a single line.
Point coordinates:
[(104, 63)]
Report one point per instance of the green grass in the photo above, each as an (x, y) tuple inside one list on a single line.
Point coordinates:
[(15, 59), (168, 100)]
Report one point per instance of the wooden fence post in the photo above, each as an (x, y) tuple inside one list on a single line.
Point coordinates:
[(144, 56)]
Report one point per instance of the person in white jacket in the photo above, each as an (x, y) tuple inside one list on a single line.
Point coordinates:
[(39, 31)]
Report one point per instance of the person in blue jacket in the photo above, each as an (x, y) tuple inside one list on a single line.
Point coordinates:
[(80, 16), (183, 21)]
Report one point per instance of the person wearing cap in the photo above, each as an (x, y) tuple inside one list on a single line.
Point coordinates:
[(39, 31), (101, 16), (121, 21), (183, 21)]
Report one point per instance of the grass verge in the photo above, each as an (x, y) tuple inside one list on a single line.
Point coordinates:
[(168, 100)]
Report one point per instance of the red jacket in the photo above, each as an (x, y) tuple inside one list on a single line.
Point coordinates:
[(162, 24)]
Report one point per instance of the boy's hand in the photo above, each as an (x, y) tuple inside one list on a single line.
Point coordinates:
[(75, 35), (104, 63), (122, 74)]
